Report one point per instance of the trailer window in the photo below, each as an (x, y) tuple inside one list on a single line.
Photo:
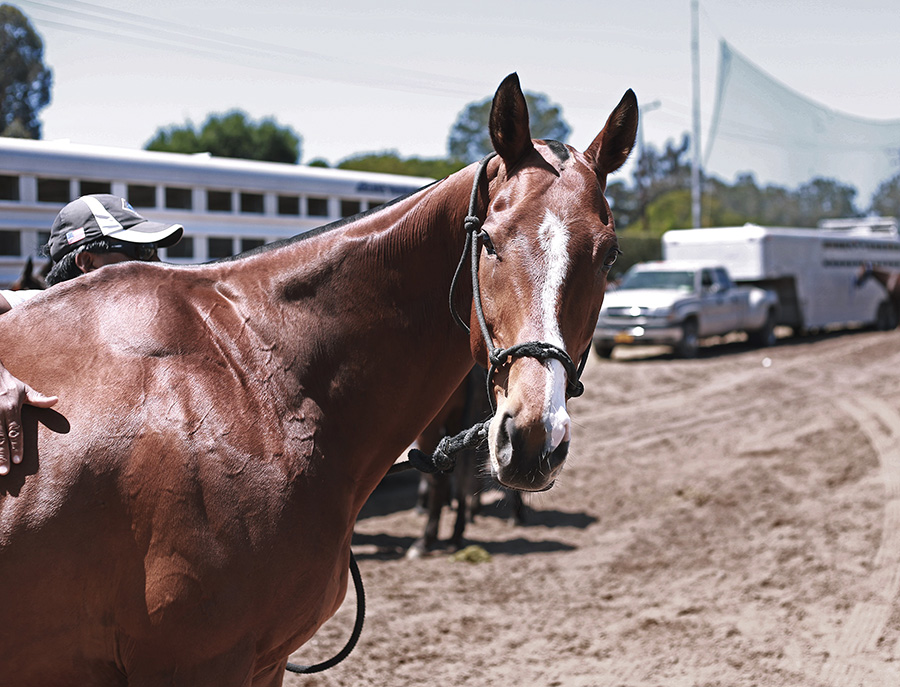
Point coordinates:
[(142, 196), (53, 191), (220, 247), (350, 207), (252, 203), (182, 249), (9, 187), (250, 244), (10, 243), (88, 188), (218, 201), (179, 198), (288, 205), (317, 207)]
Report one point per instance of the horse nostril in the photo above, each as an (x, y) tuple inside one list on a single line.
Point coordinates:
[(558, 455), (506, 430)]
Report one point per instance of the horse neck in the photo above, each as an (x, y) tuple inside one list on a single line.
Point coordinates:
[(884, 278), (361, 315)]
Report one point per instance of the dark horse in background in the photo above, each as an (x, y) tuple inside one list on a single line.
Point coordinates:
[(888, 316), (467, 406), (185, 518), (29, 279)]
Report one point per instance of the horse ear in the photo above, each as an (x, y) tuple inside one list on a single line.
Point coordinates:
[(614, 144), (510, 132)]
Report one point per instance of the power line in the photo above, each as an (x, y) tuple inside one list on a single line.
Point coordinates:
[(109, 23)]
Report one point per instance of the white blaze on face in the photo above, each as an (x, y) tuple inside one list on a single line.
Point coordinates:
[(554, 238)]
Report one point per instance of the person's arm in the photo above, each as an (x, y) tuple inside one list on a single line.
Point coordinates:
[(13, 394)]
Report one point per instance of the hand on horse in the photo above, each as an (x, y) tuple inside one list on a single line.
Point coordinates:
[(13, 394)]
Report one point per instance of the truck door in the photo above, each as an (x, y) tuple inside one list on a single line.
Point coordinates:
[(737, 300), (721, 312)]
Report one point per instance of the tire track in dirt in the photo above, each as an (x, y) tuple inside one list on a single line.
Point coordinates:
[(779, 575), (786, 373), (704, 378), (854, 658)]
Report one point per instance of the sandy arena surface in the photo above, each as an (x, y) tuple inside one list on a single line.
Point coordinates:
[(727, 521)]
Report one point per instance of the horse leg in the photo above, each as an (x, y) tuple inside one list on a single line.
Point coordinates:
[(519, 509), (437, 497), (422, 495), (466, 493)]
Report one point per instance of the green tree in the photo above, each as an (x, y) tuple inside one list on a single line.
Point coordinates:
[(624, 202), (390, 162), (231, 134), (805, 206), (886, 201), (24, 79), (469, 139), (661, 197), (825, 199), (657, 174)]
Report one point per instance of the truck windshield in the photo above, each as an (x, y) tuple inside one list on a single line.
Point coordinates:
[(675, 280)]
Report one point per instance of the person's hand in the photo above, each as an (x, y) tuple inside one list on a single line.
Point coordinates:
[(13, 394)]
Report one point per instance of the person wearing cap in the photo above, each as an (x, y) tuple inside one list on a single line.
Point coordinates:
[(88, 233), (94, 231)]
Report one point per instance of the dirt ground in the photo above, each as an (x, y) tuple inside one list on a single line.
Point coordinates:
[(730, 520)]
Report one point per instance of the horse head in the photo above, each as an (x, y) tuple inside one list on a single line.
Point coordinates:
[(551, 241), (29, 279), (864, 273)]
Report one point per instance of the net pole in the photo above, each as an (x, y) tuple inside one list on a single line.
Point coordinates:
[(695, 138)]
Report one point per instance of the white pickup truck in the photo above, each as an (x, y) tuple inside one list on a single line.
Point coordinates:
[(677, 303)]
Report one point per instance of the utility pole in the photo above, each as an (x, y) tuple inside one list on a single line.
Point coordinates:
[(642, 110), (695, 139), (642, 187)]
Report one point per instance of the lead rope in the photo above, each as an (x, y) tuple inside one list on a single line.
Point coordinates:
[(354, 636)]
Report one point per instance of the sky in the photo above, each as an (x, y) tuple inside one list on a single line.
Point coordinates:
[(352, 76)]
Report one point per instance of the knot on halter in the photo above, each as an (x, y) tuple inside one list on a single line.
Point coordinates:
[(472, 224), (444, 457), (473, 227)]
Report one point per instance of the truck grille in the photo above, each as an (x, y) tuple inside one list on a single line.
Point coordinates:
[(626, 311)]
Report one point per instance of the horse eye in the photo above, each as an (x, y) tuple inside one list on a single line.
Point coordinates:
[(611, 258)]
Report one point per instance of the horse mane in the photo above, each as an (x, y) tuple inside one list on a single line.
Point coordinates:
[(318, 231)]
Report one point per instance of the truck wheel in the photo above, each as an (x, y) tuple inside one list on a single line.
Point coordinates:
[(690, 340), (603, 350), (765, 335)]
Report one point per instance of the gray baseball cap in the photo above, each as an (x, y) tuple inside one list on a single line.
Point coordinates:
[(98, 215)]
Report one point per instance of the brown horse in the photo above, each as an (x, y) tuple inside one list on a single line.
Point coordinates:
[(887, 316), (467, 406), (220, 426)]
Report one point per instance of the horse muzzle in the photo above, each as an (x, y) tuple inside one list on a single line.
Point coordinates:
[(527, 456)]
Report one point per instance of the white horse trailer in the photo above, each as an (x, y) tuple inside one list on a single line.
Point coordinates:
[(227, 206), (813, 271)]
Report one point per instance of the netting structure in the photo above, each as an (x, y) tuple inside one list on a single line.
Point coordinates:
[(763, 127)]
